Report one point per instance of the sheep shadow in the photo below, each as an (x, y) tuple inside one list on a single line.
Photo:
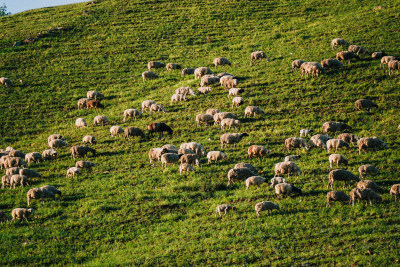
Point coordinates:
[(111, 153)]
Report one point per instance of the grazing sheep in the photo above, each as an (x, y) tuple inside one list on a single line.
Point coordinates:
[(216, 156), (395, 190), (3, 160), (133, 131), (178, 98), (357, 49), (223, 208), (84, 164), (213, 111), (190, 159), (223, 80), (201, 71), (235, 91), (337, 159), (318, 140), (80, 122), (220, 61), (115, 130), (346, 55), (292, 158), (149, 75), (229, 83), (393, 65), (155, 153), (333, 126), (55, 136), (185, 91), (237, 101), (338, 41), (3, 217), (52, 189), (239, 174), (253, 111), (169, 158), (287, 167), (9, 148), (18, 179), (265, 205), (170, 148), (370, 185), (82, 103), (336, 196), (89, 139), (5, 81), (204, 90), (246, 165), (49, 154), (367, 169), (187, 71), (12, 171), (218, 117), (209, 80), (29, 173), (222, 74), (341, 175), (33, 157), (296, 64), (21, 213), (94, 104), (231, 138), (336, 144), (378, 55), (173, 66), (185, 167), (147, 104), (16, 153), (386, 59), (196, 147), (277, 180), (5, 180), (370, 143), (331, 63), (313, 68), (14, 162), (72, 172), (295, 142), (257, 151), (305, 132), (258, 55), (255, 180), (159, 127), (365, 104), (56, 143), (364, 194), (81, 151), (100, 119), (207, 119), (39, 193), (157, 107), (155, 65), (94, 95), (229, 123), (132, 113), (348, 137), (185, 151), (286, 189)]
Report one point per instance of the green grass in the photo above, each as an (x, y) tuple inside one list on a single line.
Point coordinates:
[(128, 212)]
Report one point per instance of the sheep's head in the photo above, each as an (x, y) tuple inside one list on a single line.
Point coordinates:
[(31, 211)]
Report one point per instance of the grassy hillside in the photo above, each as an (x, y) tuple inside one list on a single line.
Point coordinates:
[(127, 211)]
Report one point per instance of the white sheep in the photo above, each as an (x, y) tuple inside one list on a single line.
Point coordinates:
[(229, 123), (255, 180), (82, 103), (186, 167), (12, 171), (169, 158), (204, 118), (295, 142), (318, 140), (21, 213), (208, 80), (173, 66), (223, 208), (33, 157), (131, 112), (386, 59), (185, 151), (265, 205), (5, 81), (235, 91), (55, 136), (395, 190), (157, 107), (313, 68), (246, 165), (337, 159), (292, 158), (277, 180), (218, 117), (201, 71), (338, 41), (288, 168), (178, 98), (18, 179), (286, 189), (29, 173), (147, 104), (57, 143), (196, 147), (305, 132), (155, 65), (336, 196), (296, 64), (49, 154), (231, 138), (186, 71), (156, 152), (253, 111), (336, 144), (84, 164), (213, 111), (94, 95), (100, 119), (258, 55), (185, 91), (204, 90), (216, 156), (73, 171), (367, 169), (220, 61), (5, 180), (115, 130), (149, 75), (89, 139)]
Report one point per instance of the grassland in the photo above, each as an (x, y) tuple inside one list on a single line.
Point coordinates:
[(129, 212)]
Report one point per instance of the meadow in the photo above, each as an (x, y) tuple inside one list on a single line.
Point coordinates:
[(127, 211)]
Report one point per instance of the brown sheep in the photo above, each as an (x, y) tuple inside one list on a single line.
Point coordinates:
[(257, 151), (346, 55), (365, 104), (395, 190), (341, 175), (159, 127), (94, 104), (370, 143), (133, 131), (336, 196)]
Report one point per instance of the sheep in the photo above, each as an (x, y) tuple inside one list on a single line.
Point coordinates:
[(336, 196), (169, 158), (386, 59), (159, 127), (253, 111), (393, 65), (196, 147), (149, 75), (190, 159), (305, 132), (313, 68), (222, 74), (337, 159), (81, 151), (9, 148), (348, 137), (257, 151), (318, 140), (218, 117), (170, 148), (94, 104), (72, 172), (292, 158), (3, 217), (223, 208), (220, 61), (84, 164), (185, 167), (133, 131), (201, 71), (89, 139), (49, 154), (231, 138), (365, 104), (173, 66), (286, 189), (334, 126), (185, 151), (395, 190), (229, 123), (235, 91), (229, 83), (80, 122), (367, 169), (178, 98), (16, 153), (94, 95), (82, 103), (331, 63), (346, 55), (14, 162), (155, 153), (208, 80), (5, 180), (36, 193), (33, 157), (336, 144), (378, 55), (12, 171), (224, 79), (207, 119), (296, 64), (29, 173), (364, 194), (246, 165), (132, 113), (265, 205), (3, 160), (147, 104), (204, 90), (239, 174), (100, 119), (338, 41), (216, 156), (258, 55), (255, 180), (287, 167), (237, 101), (295, 142), (18, 179), (6, 82), (357, 49), (157, 107), (52, 189), (21, 213), (155, 65), (115, 130), (370, 185), (277, 180), (370, 143), (213, 111), (185, 91), (187, 71), (341, 175), (55, 136)]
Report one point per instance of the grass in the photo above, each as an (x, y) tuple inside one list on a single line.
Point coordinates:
[(129, 212)]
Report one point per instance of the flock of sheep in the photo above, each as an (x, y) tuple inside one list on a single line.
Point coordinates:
[(189, 154)]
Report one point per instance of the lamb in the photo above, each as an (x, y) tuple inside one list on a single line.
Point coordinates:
[(6, 82), (94, 95), (231, 138), (364, 194), (190, 159), (81, 151), (288, 167), (346, 55), (370, 143), (235, 91), (14, 162), (94, 104), (253, 111), (333, 126), (204, 90), (36, 193), (296, 64), (331, 63), (258, 55), (82, 103), (395, 190), (216, 156), (159, 127), (313, 68), (229, 123), (89, 139), (157, 107), (155, 153), (72, 172), (196, 147), (218, 117), (367, 169), (133, 131), (277, 180), (338, 41), (18, 179), (348, 137), (213, 111), (365, 104), (5, 180), (357, 49), (305, 132), (80, 122), (255, 180), (239, 174), (207, 119), (336, 196), (224, 208), (55, 136), (187, 71), (209, 80), (265, 205), (155, 65), (21, 213), (201, 71), (29, 173), (337, 159), (185, 167), (386, 59), (292, 158), (173, 66), (246, 165), (84, 164), (178, 98), (286, 189), (100, 119), (257, 151), (378, 55), (341, 175), (115, 130), (370, 185), (295, 142), (393, 65), (318, 140), (49, 154), (16, 153), (12, 171), (185, 151), (185, 91), (169, 158), (237, 101), (147, 104), (149, 75), (336, 144), (132, 113)]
